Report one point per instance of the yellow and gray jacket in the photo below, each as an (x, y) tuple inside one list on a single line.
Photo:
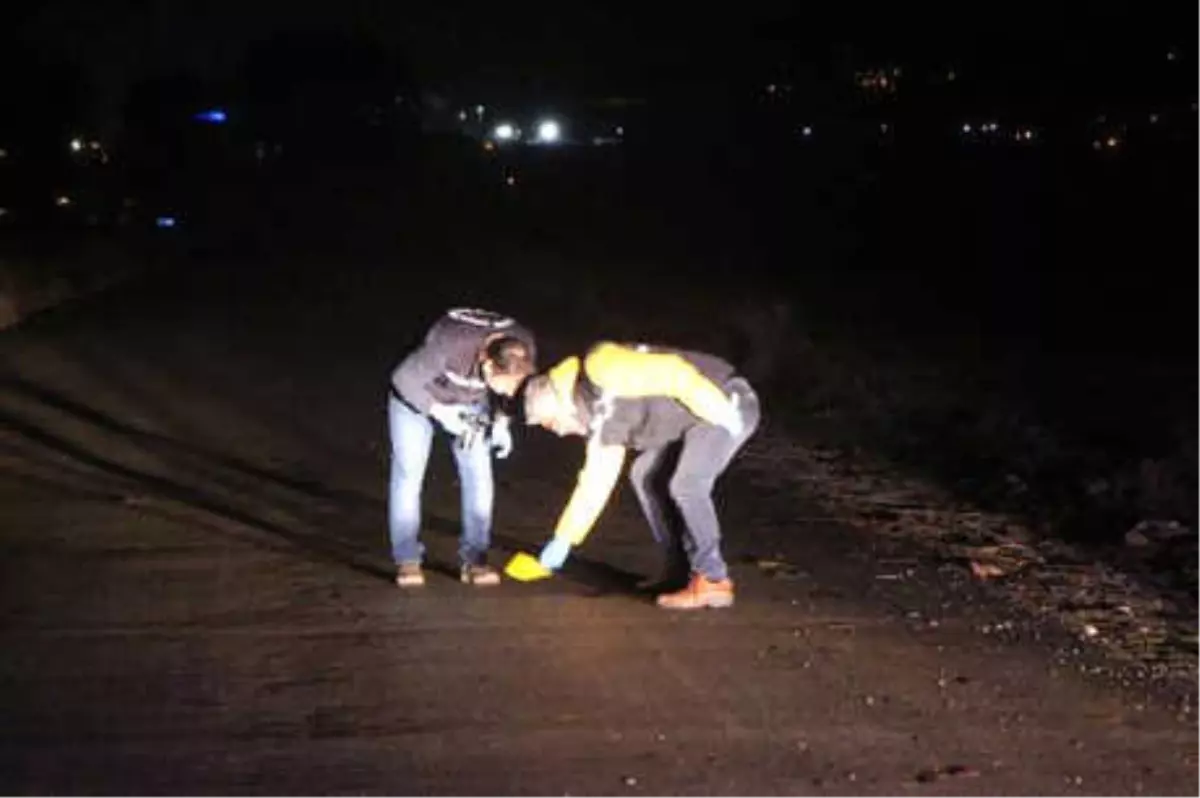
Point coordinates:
[(633, 397)]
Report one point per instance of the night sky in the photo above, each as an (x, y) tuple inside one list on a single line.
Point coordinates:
[(589, 48)]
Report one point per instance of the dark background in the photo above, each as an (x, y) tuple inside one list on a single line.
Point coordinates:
[(1066, 261)]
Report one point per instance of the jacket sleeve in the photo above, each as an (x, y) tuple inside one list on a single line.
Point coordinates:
[(626, 372), (597, 478)]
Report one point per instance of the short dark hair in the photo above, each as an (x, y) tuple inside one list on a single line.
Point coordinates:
[(510, 355)]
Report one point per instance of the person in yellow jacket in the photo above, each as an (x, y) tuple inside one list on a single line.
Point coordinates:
[(659, 402)]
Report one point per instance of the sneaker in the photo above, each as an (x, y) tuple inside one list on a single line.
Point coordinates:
[(409, 574), (479, 575), (700, 593)]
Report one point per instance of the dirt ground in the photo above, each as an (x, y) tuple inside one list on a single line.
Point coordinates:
[(196, 595)]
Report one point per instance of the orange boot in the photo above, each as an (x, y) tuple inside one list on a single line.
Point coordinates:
[(700, 592)]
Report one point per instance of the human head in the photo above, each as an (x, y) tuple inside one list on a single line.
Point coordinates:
[(506, 363), (550, 402)]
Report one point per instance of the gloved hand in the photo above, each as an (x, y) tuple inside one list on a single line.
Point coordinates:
[(501, 437), (554, 553), (732, 421), (454, 419)]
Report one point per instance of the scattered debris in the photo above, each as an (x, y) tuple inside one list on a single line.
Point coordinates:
[(1148, 533), (986, 570), (950, 771)]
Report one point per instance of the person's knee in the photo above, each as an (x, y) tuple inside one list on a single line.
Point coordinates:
[(639, 478), (688, 487)]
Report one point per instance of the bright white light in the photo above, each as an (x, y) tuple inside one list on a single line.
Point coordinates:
[(1112, 141), (806, 130), (510, 180), (549, 131), (966, 128), (620, 130), (164, 221), (62, 201), (479, 110), (76, 145), (505, 131), (462, 116)]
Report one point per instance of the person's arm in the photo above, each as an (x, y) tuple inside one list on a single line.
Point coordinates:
[(601, 469), (625, 372)]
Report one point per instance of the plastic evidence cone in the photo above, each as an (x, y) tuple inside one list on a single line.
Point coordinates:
[(526, 568)]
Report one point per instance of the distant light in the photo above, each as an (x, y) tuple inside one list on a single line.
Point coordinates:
[(94, 145), (76, 145), (1154, 119), (883, 127), (3, 153), (966, 128), (213, 116), (1096, 144), (489, 145), (3, 211), (479, 109), (462, 116), (883, 81), (897, 71), (1112, 141), (164, 221), (806, 131), (549, 131), (772, 88), (510, 180), (620, 130), (1171, 55), (62, 200), (951, 76), (505, 131)]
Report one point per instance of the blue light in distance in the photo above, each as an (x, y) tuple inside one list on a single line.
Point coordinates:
[(164, 221), (213, 116)]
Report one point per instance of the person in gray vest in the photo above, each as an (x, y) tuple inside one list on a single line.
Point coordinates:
[(659, 402), (461, 379)]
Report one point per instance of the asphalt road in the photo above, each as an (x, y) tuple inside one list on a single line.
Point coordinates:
[(195, 595)]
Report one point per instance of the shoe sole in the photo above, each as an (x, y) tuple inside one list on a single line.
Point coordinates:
[(475, 582), (711, 603)]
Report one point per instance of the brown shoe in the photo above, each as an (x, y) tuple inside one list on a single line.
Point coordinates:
[(699, 593), (409, 574), (479, 575)]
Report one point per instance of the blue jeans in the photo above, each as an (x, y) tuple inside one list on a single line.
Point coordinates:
[(412, 438), (687, 528)]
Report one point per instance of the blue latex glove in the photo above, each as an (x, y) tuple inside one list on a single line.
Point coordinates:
[(554, 553), (501, 437)]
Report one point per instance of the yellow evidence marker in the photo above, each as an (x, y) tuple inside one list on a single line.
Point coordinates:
[(526, 568)]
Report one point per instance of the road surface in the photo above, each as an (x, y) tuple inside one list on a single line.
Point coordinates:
[(196, 595)]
